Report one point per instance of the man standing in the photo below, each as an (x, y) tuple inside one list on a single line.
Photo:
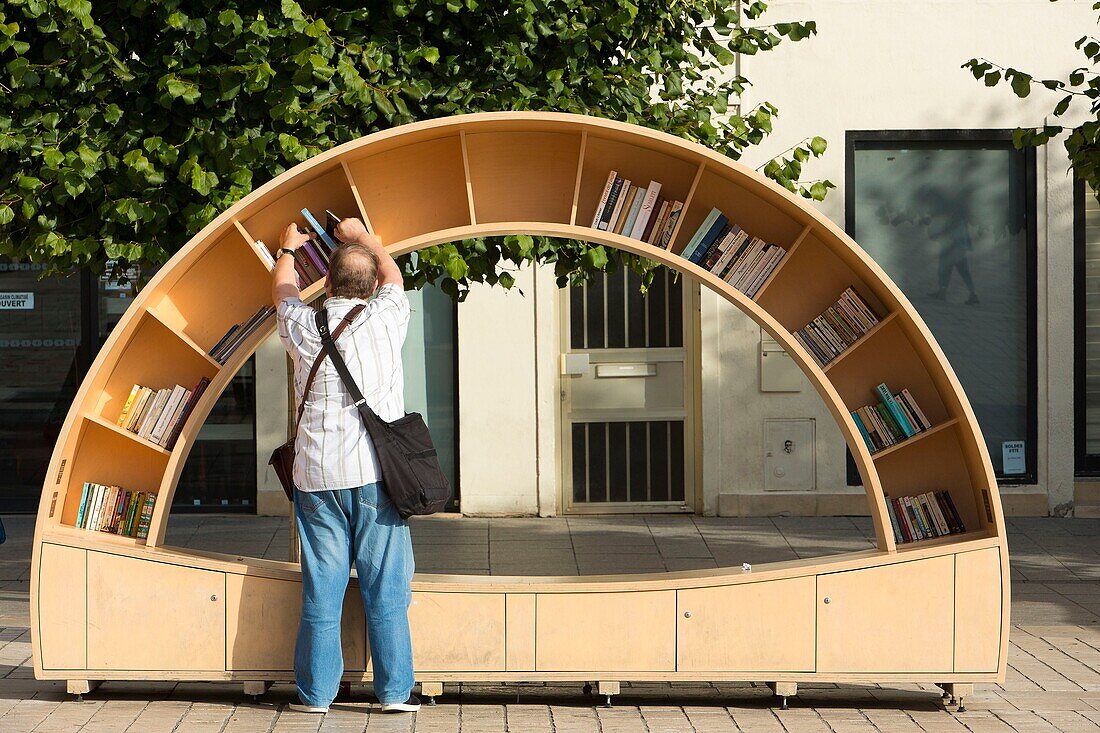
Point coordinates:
[(342, 509)]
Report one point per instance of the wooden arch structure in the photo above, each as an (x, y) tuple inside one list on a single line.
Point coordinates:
[(111, 607)]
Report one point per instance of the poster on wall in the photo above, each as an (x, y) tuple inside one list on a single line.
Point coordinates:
[(17, 301), (1012, 457)]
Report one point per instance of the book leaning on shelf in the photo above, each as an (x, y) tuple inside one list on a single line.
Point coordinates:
[(115, 510), (238, 333), (637, 211), (925, 516), (893, 419), (311, 260), (158, 415), (728, 251), (834, 331)]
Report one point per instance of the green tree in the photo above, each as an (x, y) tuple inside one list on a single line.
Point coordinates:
[(1081, 87), (127, 125)]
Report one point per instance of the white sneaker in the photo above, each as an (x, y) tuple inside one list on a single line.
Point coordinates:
[(409, 706), (300, 707)]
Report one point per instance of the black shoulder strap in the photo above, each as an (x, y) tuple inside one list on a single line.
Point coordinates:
[(368, 414)]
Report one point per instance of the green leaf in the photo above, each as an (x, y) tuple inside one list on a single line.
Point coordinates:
[(818, 146), (1021, 83), (6, 214)]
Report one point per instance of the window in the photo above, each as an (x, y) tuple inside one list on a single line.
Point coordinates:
[(1086, 245), (949, 215)]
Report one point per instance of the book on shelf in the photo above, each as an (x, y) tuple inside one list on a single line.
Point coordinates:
[(108, 508), (837, 328), (924, 516), (723, 248), (238, 333), (894, 418), (637, 211), (188, 405), (157, 415)]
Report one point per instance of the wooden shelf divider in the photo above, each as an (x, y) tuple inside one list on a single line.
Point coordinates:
[(580, 174), (466, 174), (684, 211), (786, 258), (860, 341), (137, 439), (154, 314), (358, 199), (914, 439)]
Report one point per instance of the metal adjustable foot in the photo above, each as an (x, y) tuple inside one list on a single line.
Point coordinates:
[(80, 688), (431, 690), (783, 690), (607, 689)]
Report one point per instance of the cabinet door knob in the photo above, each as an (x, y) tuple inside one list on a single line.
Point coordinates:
[(213, 598), (687, 614), (828, 600)]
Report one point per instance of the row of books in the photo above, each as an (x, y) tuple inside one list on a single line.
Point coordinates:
[(729, 252), (893, 419), (158, 415), (834, 331), (932, 514), (311, 260), (115, 510), (238, 333), (636, 211)]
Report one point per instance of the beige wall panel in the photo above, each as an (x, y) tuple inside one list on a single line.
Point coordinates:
[(978, 610), (894, 618), (616, 632), (62, 611), (520, 642), (261, 621), (760, 627), (457, 632), (153, 616)]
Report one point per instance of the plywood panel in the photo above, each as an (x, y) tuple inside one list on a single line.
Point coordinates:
[(893, 618), (625, 632), (500, 173), (62, 611), (261, 624), (266, 219), (752, 627), (458, 632), (978, 599), (520, 644), (146, 615)]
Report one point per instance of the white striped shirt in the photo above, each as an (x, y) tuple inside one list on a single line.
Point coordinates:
[(333, 449)]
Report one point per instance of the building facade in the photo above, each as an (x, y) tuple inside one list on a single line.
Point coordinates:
[(546, 401)]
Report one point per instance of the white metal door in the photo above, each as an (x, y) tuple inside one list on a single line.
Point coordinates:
[(626, 392)]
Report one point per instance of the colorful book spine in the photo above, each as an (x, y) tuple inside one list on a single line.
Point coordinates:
[(895, 411), (604, 198)]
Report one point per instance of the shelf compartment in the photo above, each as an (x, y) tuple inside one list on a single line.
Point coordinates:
[(908, 442), (329, 190), (403, 203), (637, 164), (175, 362), (934, 463), (225, 286), (893, 360), (106, 456), (115, 428), (503, 164), (861, 341), (811, 280), (745, 209)]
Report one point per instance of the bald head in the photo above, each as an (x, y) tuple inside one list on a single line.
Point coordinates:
[(353, 271)]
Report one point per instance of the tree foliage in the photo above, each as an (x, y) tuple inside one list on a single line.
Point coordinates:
[(127, 125), (1079, 91)]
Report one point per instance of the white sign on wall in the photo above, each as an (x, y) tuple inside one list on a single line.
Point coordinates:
[(17, 301), (1012, 457)]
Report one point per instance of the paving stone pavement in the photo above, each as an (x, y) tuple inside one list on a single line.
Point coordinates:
[(1053, 681)]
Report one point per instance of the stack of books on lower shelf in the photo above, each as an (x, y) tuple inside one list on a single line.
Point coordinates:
[(637, 211), (311, 260), (115, 510), (728, 251), (158, 415), (923, 517), (834, 331), (238, 333), (893, 419)]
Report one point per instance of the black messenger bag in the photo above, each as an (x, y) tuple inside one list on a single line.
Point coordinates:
[(411, 473)]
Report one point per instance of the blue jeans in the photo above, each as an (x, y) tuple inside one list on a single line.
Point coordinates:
[(336, 528)]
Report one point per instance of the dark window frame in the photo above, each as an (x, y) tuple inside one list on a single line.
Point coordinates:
[(1084, 464), (854, 138)]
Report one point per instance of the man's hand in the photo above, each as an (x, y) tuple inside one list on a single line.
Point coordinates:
[(351, 230), (292, 238)]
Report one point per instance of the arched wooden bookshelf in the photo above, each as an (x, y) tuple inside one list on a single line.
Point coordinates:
[(108, 607)]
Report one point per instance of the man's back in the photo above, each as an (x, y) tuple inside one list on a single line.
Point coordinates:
[(333, 449)]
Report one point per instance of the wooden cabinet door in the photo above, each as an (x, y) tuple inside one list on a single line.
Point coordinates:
[(606, 632), (748, 627), (891, 618), (262, 623), (145, 615), (458, 632)]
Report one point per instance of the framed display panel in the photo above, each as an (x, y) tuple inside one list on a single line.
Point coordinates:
[(448, 179)]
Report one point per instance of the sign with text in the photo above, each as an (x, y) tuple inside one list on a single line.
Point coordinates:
[(17, 301), (1012, 457)]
